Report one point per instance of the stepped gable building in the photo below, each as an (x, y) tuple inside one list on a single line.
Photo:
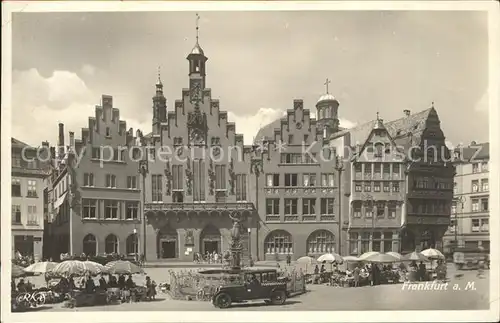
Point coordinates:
[(28, 176), (196, 176), (425, 180), (296, 194), (94, 203), (470, 218)]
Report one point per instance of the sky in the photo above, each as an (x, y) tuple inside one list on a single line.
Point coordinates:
[(258, 63)]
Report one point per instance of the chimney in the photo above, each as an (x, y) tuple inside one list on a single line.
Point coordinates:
[(60, 142), (71, 139), (406, 112)]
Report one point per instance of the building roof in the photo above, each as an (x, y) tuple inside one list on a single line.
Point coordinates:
[(16, 143), (326, 97), (473, 152), (197, 50), (404, 131), (267, 131)]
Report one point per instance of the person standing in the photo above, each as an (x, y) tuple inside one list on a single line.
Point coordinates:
[(356, 273), (288, 259)]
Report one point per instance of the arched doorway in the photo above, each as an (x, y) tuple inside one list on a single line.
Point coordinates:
[(167, 243), (90, 245), (407, 241), (111, 244), (320, 242), (210, 240), (132, 244), (279, 242)]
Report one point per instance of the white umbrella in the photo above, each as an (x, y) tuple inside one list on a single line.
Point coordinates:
[(433, 253), (381, 257), (351, 259), (330, 257), (395, 255), (120, 267), (76, 267), (368, 254), (41, 267), (306, 260), (95, 267)]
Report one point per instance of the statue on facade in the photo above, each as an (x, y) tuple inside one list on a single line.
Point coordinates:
[(236, 246), (189, 177)]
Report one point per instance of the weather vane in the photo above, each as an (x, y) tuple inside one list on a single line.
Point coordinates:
[(197, 26)]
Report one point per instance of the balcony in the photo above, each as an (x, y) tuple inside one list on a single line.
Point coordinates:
[(197, 206)]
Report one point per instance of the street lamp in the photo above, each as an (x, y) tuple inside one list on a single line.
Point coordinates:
[(249, 230), (460, 199), (340, 168), (143, 170)]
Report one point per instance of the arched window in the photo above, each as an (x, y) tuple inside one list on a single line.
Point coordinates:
[(210, 240), (279, 241), (90, 245), (111, 244), (321, 242), (132, 246)]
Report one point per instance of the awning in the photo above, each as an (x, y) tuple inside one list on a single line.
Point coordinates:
[(60, 201)]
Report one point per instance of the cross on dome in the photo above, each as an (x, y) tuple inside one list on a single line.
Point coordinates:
[(326, 84)]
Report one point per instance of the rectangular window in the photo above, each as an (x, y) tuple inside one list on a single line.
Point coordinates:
[(241, 188), (395, 186), (368, 211), (327, 207), (89, 208), (484, 205), (484, 185), (272, 180), (475, 205), (291, 206), (177, 177), (290, 139), (306, 138), (353, 243), (88, 179), (308, 206), (386, 171), (132, 210), (475, 168), (111, 210), (152, 154), (310, 158), (272, 206), (368, 186), (32, 188), (111, 181), (376, 187), (220, 177), (475, 225), (309, 180), (395, 170), (156, 188), (365, 242), (387, 241), (16, 160), (392, 210), (291, 180), (16, 187), (132, 182), (199, 171), (356, 209), (475, 186), (358, 171), (16, 214), (118, 154), (358, 187), (387, 187), (484, 166), (380, 210), (32, 218), (327, 180), (291, 158), (377, 170), (485, 225), (376, 243), (96, 153)]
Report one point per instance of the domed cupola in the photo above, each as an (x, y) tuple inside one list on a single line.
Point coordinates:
[(327, 112), (197, 60)]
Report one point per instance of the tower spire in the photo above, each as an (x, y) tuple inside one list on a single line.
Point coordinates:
[(197, 27), (159, 76)]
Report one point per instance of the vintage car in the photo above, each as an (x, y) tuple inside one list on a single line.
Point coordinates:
[(255, 284)]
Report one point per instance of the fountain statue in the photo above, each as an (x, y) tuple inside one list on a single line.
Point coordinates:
[(236, 246)]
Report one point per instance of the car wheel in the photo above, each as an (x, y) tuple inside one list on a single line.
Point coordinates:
[(223, 301), (278, 297)]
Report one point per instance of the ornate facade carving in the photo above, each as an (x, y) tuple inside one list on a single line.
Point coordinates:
[(168, 178), (211, 178), (232, 177), (189, 177)]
